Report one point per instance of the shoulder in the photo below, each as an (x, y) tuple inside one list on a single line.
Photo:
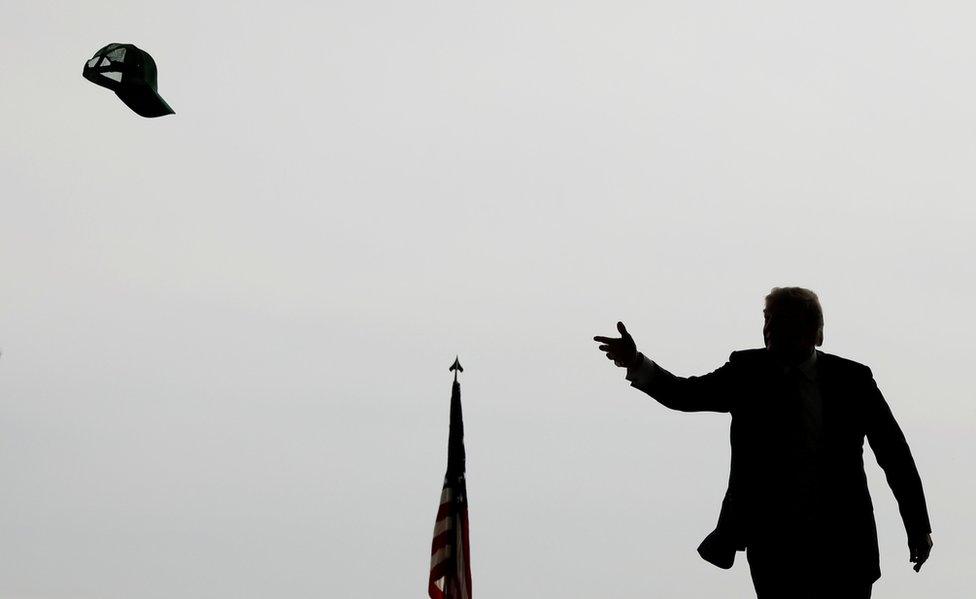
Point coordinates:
[(843, 365), (749, 356), (750, 361)]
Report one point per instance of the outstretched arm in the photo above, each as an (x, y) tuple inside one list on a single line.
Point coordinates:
[(712, 392), (895, 458)]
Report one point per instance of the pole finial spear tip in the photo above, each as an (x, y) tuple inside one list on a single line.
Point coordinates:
[(456, 367)]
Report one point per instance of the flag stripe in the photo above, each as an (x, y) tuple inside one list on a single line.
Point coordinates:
[(441, 527)]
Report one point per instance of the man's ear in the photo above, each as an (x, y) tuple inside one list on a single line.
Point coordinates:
[(819, 337)]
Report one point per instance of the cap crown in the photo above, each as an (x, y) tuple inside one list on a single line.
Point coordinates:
[(108, 66)]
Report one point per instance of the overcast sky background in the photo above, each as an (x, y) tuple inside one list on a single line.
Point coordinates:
[(226, 333)]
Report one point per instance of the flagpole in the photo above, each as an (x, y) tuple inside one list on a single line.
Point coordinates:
[(450, 551)]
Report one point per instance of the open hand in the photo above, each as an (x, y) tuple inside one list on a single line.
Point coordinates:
[(919, 550), (622, 350)]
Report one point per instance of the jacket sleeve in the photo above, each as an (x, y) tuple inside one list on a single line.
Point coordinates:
[(712, 392), (895, 458)]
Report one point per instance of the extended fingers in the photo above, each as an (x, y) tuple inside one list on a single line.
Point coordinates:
[(614, 347)]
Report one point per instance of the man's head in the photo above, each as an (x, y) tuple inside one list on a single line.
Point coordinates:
[(793, 322)]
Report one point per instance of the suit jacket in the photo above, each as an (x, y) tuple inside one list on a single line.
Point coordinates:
[(761, 502)]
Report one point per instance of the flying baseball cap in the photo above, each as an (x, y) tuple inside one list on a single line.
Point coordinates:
[(131, 74)]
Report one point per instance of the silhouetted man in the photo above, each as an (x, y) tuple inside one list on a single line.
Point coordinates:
[(797, 500)]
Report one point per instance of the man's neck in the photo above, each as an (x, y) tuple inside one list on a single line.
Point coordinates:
[(794, 359)]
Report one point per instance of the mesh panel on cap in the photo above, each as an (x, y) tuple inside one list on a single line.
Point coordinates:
[(113, 75), (117, 55), (93, 62)]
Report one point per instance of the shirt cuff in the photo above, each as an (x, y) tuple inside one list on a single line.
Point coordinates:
[(642, 371)]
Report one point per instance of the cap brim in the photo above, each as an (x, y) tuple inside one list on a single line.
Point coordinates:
[(144, 101)]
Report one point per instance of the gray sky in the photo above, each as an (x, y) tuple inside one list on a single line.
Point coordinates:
[(226, 333)]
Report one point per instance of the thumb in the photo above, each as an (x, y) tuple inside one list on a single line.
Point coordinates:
[(622, 329)]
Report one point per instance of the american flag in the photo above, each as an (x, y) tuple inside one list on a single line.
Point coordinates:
[(450, 555)]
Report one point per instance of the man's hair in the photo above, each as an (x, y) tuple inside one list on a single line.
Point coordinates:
[(800, 301)]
